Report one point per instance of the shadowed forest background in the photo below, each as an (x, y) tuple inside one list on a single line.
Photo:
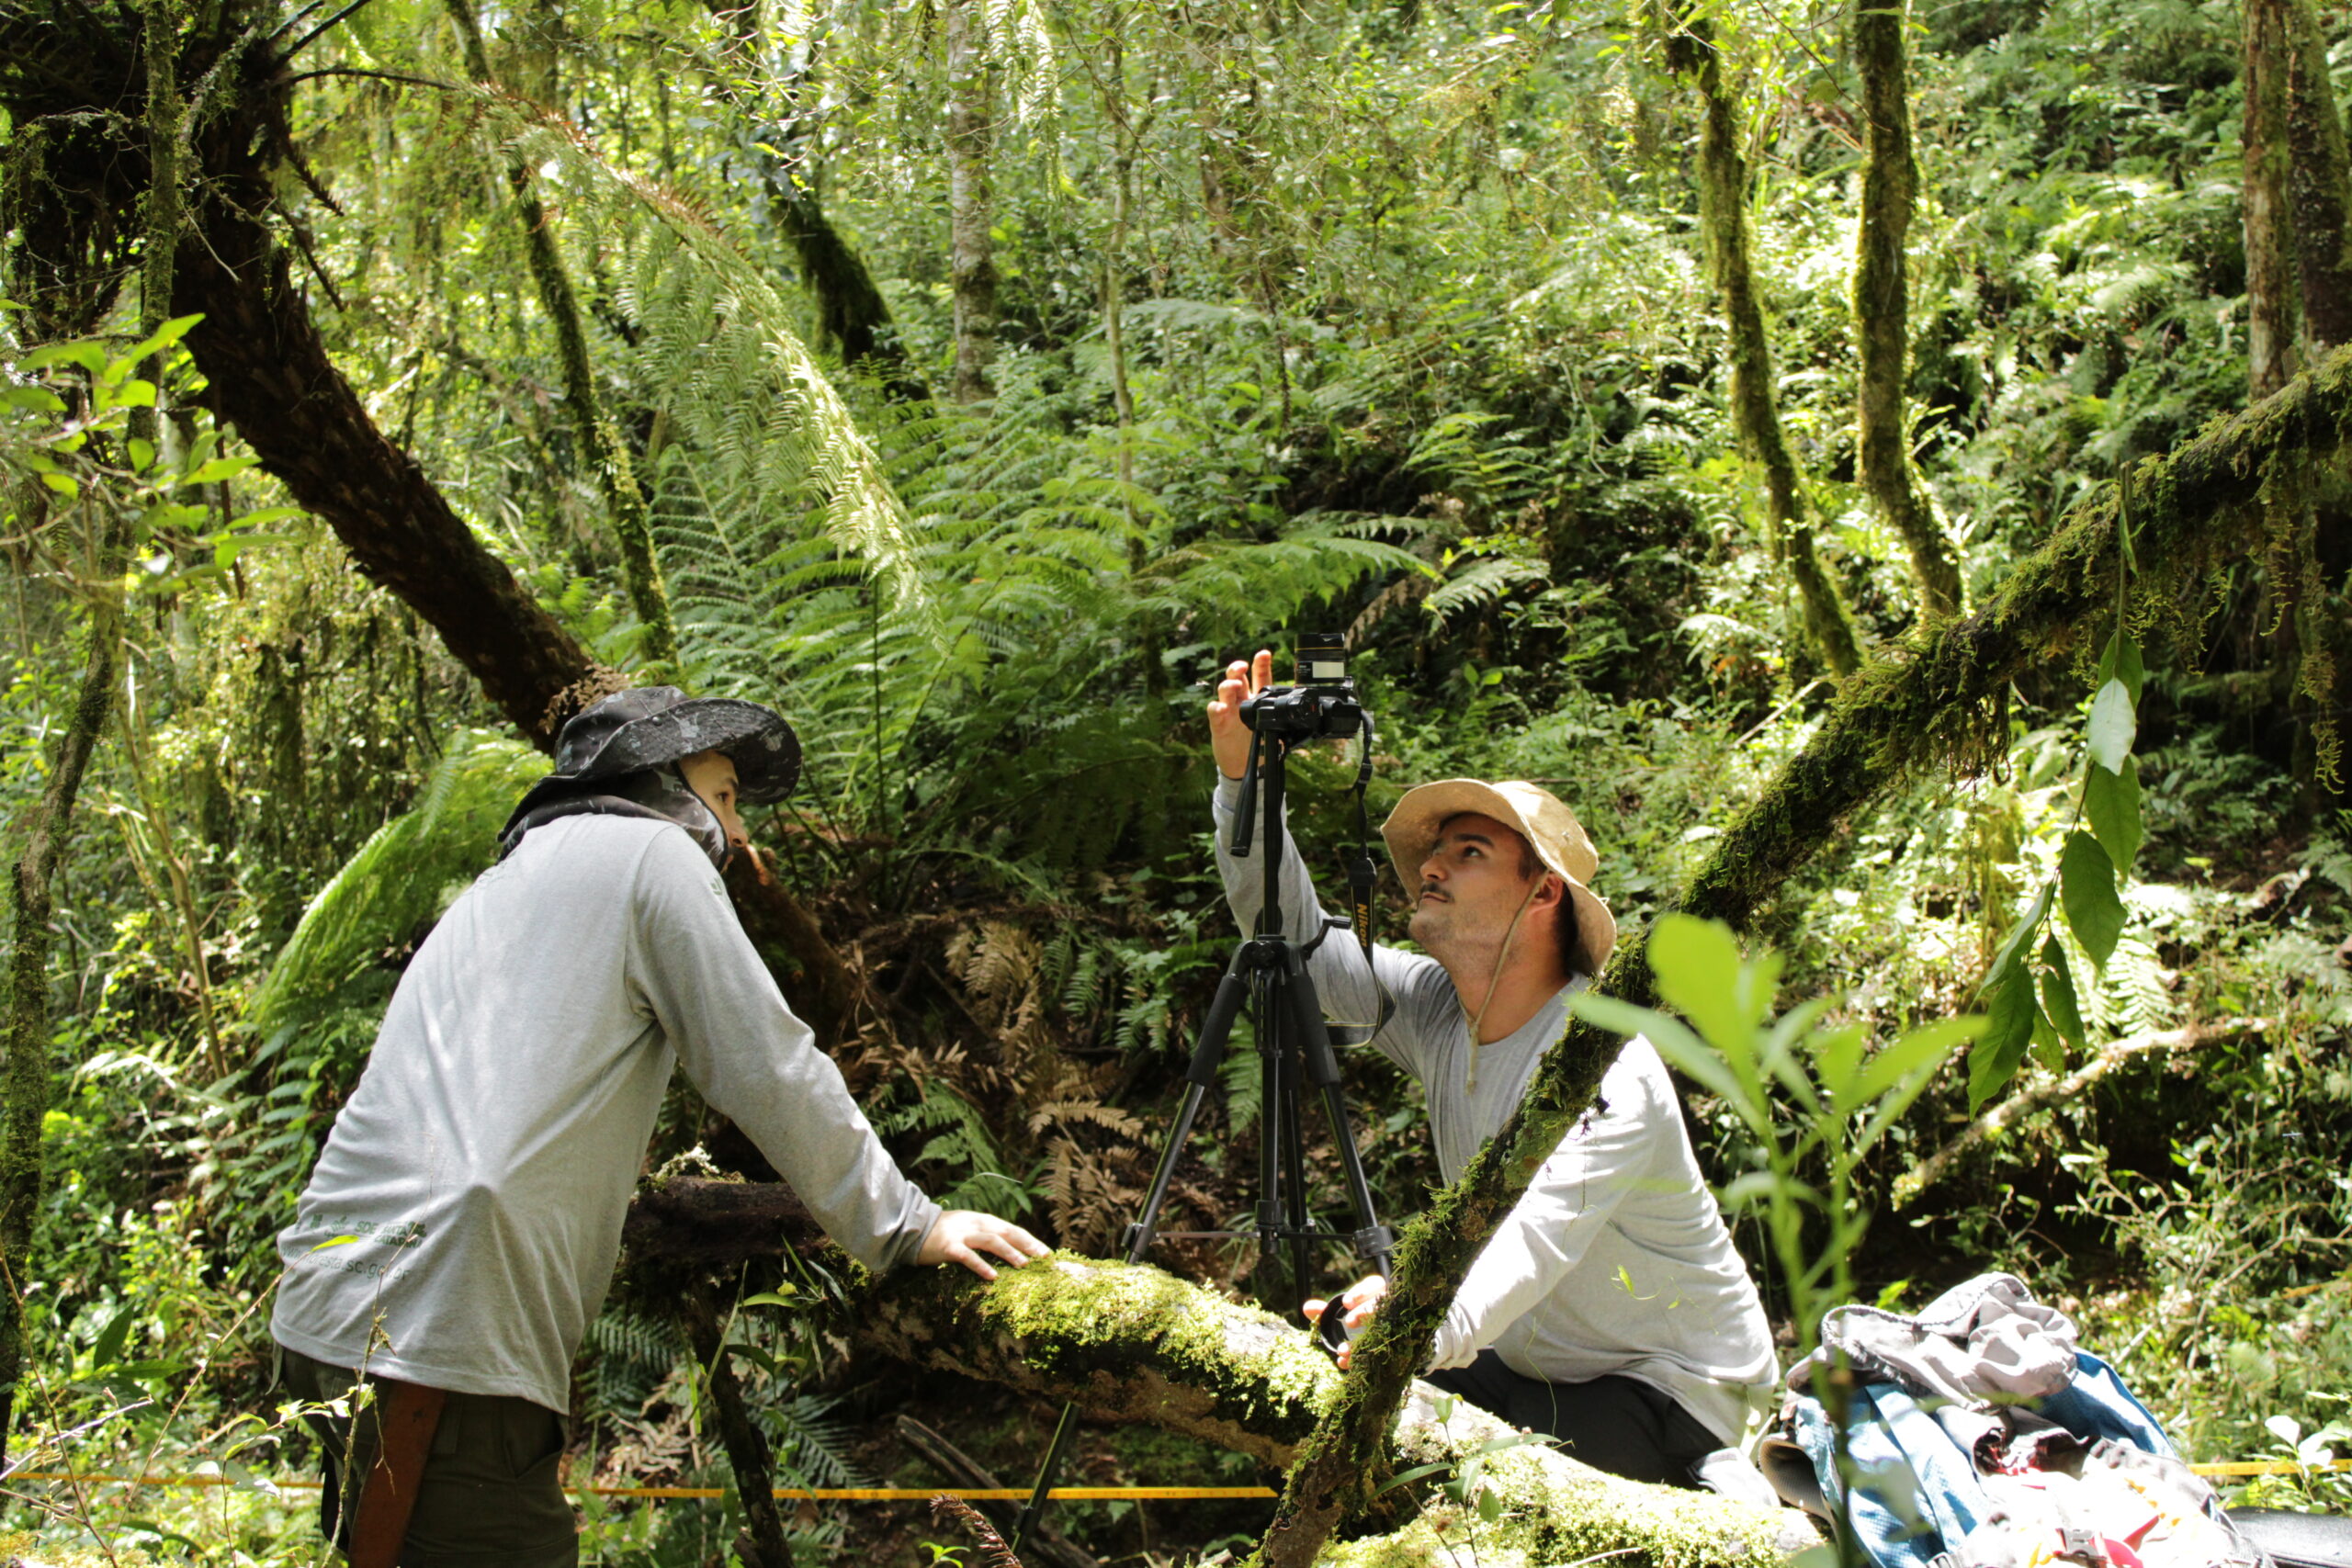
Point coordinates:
[(1714, 414)]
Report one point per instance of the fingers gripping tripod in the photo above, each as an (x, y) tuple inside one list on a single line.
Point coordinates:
[(1267, 974)]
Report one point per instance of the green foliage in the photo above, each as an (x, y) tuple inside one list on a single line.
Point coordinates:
[(396, 887), (1814, 1098)]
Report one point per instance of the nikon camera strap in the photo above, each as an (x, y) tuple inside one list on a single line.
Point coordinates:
[(1363, 872)]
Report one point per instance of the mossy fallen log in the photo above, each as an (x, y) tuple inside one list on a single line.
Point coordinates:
[(1133, 1344)]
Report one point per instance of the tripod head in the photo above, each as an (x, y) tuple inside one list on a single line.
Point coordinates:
[(1322, 705)]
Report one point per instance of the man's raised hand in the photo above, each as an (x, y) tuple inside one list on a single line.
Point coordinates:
[(971, 1238), (1229, 736)]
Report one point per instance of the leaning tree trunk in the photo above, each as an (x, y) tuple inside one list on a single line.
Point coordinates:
[(1723, 214), (852, 318), (971, 267), (2192, 512), (601, 442), (1882, 303), (1130, 1343), (2273, 282)]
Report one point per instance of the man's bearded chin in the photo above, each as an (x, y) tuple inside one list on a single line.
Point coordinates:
[(1438, 927)]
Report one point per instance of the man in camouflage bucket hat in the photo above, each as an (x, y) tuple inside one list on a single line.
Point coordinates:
[(462, 1225), (1609, 1308)]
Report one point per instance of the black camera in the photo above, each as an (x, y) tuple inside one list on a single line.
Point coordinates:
[(1322, 704)]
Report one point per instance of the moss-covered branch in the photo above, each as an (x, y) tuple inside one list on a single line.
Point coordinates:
[(1938, 702), (1723, 214), (1133, 1344), (1882, 303), (2273, 285)]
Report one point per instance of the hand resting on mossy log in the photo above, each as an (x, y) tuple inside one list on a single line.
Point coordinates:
[(1132, 1342)]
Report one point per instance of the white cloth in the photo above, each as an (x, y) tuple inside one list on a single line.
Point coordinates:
[(484, 1164), (1616, 1260)]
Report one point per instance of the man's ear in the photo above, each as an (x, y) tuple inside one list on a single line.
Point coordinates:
[(1555, 889)]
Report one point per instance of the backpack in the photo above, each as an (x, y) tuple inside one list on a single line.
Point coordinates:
[(1980, 1435)]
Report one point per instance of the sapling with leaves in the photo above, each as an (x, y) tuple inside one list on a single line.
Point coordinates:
[(1813, 1097), (2031, 997)]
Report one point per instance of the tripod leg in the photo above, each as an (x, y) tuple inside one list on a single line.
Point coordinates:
[(1063, 1429), (1323, 1070), (1294, 1129), (1373, 1238), (1268, 1016)]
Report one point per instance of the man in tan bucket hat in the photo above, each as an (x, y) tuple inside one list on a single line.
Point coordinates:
[(1610, 1308)]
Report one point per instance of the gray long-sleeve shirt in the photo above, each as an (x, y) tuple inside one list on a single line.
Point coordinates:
[(484, 1164), (1616, 1259)]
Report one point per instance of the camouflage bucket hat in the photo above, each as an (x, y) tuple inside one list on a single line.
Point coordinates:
[(651, 725)]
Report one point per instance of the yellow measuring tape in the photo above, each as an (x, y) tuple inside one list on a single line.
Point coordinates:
[(789, 1494), (2235, 1468)]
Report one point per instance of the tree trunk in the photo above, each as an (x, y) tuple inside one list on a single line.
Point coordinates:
[(971, 269), (601, 443), (1882, 303), (1723, 214), (852, 318), (271, 377), (2273, 282), (29, 1026), (1133, 1344), (2193, 512), (2320, 175)]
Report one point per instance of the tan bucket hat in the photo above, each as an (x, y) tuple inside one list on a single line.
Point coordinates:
[(1534, 812)]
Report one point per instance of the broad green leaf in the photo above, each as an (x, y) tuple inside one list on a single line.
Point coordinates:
[(88, 355), (1913, 1056), (2009, 1029), (2111, 802), (62, 484), (2011, 956), (1406, 1477), (2113, 724), (136, 393), (217, 469), (2086, 878), (1917, 1056), (142, 454), (1675, 1042), (1698, 967), (765, 1361), (107, 1350), (2121, 662), (780, 1296), (2048, 1051), (39, 399), (2059, 1001), (170, 333)]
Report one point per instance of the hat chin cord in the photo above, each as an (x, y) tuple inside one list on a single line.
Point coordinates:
[(1510, 934)]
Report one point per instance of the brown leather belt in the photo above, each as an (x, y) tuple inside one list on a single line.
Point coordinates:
[(406, 1416)]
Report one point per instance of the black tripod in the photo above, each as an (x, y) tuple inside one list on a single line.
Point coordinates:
[(1269, 973)]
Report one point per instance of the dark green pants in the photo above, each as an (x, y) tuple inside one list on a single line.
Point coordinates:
[(493, 1490)]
